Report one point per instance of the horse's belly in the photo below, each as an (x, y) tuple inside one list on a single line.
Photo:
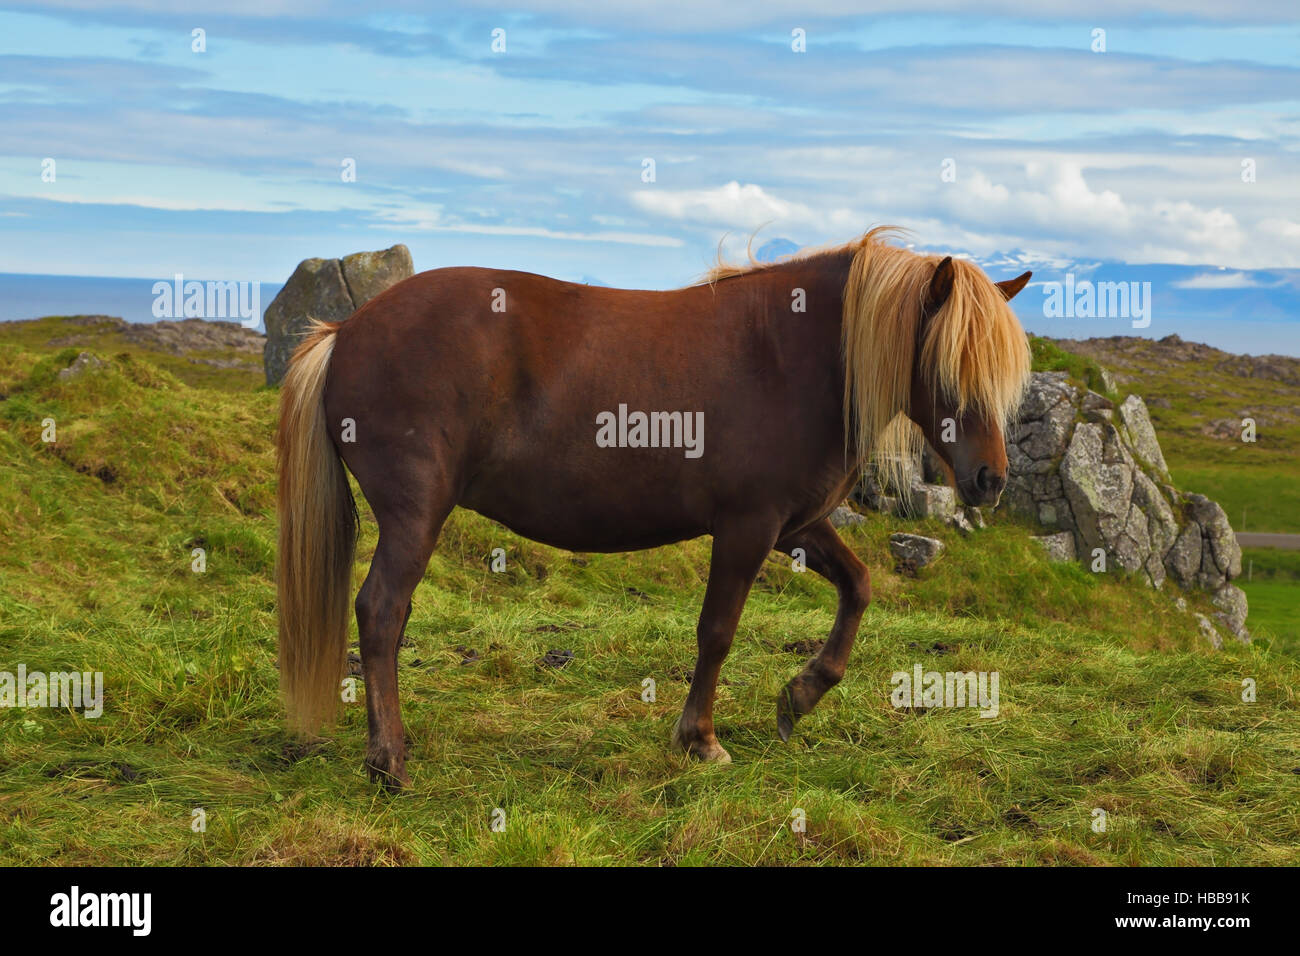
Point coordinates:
[(577, 529), (586, 505)]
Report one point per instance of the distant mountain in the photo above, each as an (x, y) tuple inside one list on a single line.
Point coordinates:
[(1255, 311)]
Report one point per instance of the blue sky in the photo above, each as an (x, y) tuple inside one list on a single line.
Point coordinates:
[(226, 163)]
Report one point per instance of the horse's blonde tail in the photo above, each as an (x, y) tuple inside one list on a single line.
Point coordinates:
[(318, 534)]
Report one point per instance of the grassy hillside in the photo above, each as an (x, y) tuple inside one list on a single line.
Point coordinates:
[(1108, 698)]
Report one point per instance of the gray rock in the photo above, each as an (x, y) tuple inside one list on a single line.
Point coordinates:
[(932, 501), (976, 517), (1047, 437), (316, 290), (1232, 605), (1107, 379), (1208, 576), (1046, 391), (1046, 487), (1183, 559), (1017, 499), (1059, 546), (329, 290), (959, 521), (1162, 524), (1132, 547), (867, 491), (1018, 463), (1224, 549), (1098, 492), (1141, 435), (910, 474), (933, 470), (1209, 631), (1155, 569), (843, 516), (914, 549), (369, 273), (83, 363), (1092, 401)]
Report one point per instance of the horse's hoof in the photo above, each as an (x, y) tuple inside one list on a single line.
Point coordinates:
[(784, 725), (389, 782), (796, 699), (387, 772), (708, 750)]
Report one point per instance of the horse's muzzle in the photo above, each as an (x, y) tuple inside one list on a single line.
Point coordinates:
[(983, 489)]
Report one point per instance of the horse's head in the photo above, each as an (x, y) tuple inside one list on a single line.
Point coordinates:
[(969, 364), (930, 348)]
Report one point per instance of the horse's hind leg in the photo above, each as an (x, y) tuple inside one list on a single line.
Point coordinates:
[(383, 608), (831, 558)]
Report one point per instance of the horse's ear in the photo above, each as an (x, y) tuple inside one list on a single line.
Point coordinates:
[(1010, 287), (940, 286)]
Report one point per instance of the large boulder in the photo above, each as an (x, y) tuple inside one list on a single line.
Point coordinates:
[(369, 273), (329, 290), (1092, 470)]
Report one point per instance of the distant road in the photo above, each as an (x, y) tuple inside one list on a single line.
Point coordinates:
[(1251, 539)]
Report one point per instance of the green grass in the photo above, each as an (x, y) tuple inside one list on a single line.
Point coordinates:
[(1271, 580), (1049, 357), (1108, 697)]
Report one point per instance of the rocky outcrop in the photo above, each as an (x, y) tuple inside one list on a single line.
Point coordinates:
[(175, 337), (329, 290), (1084, 468), (1091, 473)]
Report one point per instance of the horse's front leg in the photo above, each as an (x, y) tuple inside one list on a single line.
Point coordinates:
[(739, 549), (830, 557)]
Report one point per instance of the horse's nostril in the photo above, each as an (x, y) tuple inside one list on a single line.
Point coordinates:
[(987, 481)]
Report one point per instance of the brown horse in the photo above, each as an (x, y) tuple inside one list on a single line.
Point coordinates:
[(576, 416)]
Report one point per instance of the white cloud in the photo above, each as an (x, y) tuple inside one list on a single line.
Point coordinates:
[(1059, 209), (736, 206), (432, 220), (1217, 280)]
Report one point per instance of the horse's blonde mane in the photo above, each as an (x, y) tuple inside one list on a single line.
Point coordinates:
[(973, 349)]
